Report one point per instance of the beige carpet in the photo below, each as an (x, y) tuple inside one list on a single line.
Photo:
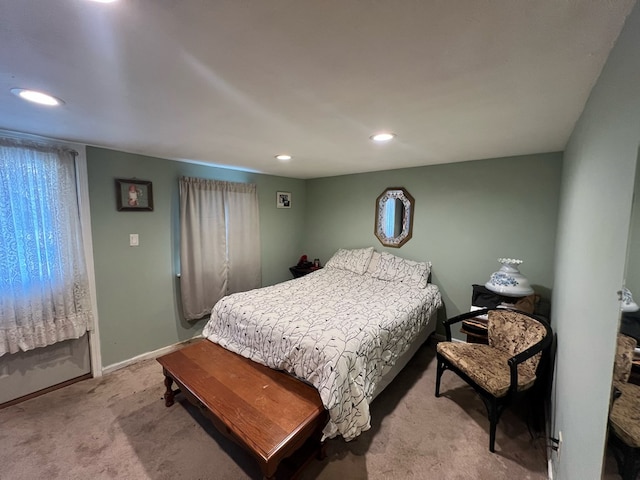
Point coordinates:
[(117, 427)]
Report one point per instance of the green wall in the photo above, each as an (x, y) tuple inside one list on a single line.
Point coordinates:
[(597, 188), (462, 224), (137, 288), (467, 215)]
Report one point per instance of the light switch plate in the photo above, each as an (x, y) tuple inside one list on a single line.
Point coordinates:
[(133, 240)]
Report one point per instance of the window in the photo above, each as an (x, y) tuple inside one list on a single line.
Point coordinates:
[(44, 290)]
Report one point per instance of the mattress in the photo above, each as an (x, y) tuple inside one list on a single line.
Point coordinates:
[(334, 329)]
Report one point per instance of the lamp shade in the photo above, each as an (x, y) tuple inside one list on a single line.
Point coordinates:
[(628, 305), (508, 281)]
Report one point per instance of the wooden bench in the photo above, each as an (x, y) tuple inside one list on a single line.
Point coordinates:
[(270, 413)]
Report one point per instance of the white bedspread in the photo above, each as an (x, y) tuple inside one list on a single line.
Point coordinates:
[(335, 329)]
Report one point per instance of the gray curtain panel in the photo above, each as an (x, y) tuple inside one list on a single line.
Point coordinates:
[(219, 242)]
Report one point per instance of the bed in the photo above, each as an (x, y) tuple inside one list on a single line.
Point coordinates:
[(340, 328), (346, 329)]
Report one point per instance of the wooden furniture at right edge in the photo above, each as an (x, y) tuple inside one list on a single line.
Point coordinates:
[(269, 413)]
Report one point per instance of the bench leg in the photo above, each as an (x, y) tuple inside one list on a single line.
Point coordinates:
[(268, 472), (322, 451), (168, 394)]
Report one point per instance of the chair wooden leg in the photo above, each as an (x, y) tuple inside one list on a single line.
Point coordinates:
[(492, 407), (629, 466), (438, 375)]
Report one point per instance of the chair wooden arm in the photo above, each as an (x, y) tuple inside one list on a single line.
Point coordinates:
[(459, 318)]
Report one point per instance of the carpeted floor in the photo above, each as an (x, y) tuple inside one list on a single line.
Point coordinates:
[(117, 427)]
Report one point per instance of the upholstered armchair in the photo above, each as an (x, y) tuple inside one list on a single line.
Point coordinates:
[(505, 368), (624, 416)]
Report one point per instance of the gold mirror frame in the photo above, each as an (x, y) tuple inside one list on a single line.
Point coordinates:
[(402, 220)]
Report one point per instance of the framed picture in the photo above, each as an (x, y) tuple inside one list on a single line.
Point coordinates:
[(283, 199), (133, 195)]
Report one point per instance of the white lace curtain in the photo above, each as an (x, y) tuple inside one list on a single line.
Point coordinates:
[(219, 242), (44, 289)]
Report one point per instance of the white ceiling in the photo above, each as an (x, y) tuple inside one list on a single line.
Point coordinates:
[(235, 82)]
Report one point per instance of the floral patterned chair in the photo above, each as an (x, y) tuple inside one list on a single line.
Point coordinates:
[(506, 367), (624, 417)]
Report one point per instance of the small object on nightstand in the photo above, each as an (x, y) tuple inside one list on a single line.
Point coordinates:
[(304, 267)]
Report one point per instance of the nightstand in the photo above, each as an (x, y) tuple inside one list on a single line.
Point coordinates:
[(475, 329), (297, 271)]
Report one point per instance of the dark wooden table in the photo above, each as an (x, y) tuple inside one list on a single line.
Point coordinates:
[(270, 413)]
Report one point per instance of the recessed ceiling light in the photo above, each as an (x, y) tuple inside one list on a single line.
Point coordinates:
[(36, 97), (283, 157), (382, 137)]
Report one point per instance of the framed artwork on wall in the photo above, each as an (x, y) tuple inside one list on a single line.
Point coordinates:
[(134, 195), (283, 199)]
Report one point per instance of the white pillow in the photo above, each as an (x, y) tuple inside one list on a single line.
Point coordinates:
[(397, 269), (355, 260)]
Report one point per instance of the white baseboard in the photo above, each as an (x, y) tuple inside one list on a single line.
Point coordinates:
[(146, 356)]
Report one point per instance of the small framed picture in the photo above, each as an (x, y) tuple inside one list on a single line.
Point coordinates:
[(133, 195), (283, 199)]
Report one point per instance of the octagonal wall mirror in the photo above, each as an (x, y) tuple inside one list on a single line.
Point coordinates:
[(394, 217)]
